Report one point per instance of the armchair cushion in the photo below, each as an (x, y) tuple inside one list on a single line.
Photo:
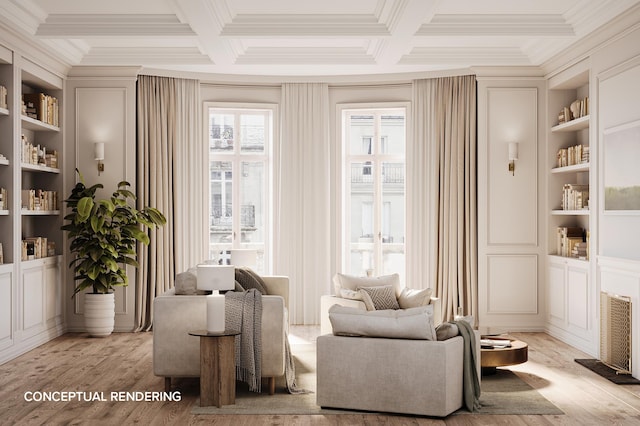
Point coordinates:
[(350, 282), (413, 323), (412, 298)]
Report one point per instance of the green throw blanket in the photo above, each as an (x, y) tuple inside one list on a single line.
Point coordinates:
[(470, 381)]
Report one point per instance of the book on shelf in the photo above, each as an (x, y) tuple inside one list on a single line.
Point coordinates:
[(566, 239), (572, 155), (495, 343), (575, 197), (4, 202), (38, 154), (3, 97), (35, 248), (578, 108), (39, 200), (1, 255), (40, 106)]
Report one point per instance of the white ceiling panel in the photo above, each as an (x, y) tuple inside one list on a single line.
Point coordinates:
[(300, 37)]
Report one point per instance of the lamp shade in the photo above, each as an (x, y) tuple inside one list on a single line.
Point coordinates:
[(244, 257), (98, 149), (513, 151), (215, 277)]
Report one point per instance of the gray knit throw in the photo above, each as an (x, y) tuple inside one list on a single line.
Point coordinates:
[(243, 313)]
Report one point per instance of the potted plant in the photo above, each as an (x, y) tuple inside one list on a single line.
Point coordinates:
[(103, 236)]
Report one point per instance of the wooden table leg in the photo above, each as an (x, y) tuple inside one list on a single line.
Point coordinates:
[(217, 371)]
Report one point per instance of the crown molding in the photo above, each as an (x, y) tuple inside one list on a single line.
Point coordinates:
[(304, 25), (110, 56), (507, 25), (618, 27), (466, 56), (90, 72), (305, 55), (113, 25)]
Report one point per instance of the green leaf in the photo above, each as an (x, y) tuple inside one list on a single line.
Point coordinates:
[(85, 205)]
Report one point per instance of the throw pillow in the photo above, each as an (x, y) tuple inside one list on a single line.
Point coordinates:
[(379, 298), (446, 330), (248, 279), (412, 298), (413, 323), (186, 283), (345, 293), (351, 282)]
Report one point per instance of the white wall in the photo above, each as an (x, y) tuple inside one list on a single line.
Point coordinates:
[(100, 107), (510, 234)]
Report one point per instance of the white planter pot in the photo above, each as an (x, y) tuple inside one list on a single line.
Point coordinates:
[(99, 313)]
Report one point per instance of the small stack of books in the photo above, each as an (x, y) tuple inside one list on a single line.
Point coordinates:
[(495, 343), (567, 238), (4, 203), (575, 197)]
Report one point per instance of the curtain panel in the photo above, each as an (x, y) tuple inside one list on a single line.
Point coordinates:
[(302, 240), (442, 204), (171, 163)]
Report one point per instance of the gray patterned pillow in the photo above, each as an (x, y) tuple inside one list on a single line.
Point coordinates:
[(379, 298)]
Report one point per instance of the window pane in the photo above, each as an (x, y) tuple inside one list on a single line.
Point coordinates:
[(393, 214), (252, 131), (252, 221), (393, 134), (221, 209), (362, 218), (361, 135), (221, 132)]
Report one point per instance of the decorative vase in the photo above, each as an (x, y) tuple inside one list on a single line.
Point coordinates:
[(99, 313)]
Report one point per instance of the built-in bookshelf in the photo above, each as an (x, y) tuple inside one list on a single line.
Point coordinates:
[(31, 146), (570, 209)]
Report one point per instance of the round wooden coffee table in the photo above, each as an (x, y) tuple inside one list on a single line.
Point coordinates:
[(491, 358)]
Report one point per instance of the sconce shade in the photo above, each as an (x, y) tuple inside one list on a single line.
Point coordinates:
[(513, 151), (98, 149), (244, 257), (215, 277)]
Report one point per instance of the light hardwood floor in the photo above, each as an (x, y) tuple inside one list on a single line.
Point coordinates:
[(123, 362)]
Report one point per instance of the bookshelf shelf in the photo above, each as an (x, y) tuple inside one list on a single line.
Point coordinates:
[(573, 125), (4, 111), (26, 212), (583, 167), (38, 168), (37, 125), (4, 212), (578, 262), (584, 212)]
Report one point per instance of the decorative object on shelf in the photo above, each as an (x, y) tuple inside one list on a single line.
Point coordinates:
[(621, 171), (513, 156), (578, 108), (244, 258), (103, 235), (215, 278), (98, 148)]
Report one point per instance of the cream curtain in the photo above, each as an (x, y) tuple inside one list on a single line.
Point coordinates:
[(303, 208), (171, 161), (442, 245)]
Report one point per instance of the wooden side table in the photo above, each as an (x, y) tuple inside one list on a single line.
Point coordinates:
[(517, 353), (217, 367)]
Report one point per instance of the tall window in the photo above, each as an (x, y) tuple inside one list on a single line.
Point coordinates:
[(374, 142), (240, 142)]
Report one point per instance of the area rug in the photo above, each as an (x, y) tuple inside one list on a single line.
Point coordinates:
[(502, 393), (607, 372)]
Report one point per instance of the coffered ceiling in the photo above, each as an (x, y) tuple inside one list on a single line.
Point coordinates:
[(307, 37)]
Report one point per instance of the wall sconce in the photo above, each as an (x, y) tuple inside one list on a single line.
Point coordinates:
[(513, 156), (98, 149)]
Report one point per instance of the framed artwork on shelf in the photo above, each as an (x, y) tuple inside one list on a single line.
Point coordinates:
[(621, 145)]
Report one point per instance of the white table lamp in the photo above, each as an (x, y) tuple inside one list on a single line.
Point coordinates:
[(215, 278), (244, 258)]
